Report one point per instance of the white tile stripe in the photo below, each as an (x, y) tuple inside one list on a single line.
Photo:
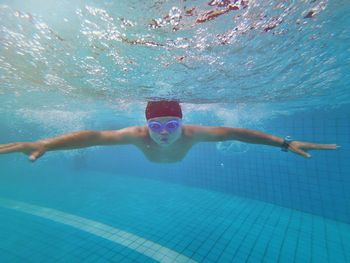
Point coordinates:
[(134, 242)]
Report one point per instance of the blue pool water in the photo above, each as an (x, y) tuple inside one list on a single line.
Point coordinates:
[(277, 67)]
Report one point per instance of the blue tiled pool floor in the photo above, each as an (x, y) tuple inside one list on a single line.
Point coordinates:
[(111, 218)]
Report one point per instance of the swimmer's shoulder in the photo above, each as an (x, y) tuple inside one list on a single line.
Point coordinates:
[(137, 131), (136, 134), (200, 133), (191, 131)]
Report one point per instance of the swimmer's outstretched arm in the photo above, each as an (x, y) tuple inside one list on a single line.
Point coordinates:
[(73, 140), (206, 133)]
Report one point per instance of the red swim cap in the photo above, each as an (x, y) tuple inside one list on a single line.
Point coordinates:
[(163, 108)]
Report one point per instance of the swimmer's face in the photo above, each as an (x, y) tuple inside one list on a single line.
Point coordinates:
[(165, 130)]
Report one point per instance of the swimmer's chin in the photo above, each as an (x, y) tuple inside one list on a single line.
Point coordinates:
[(164, 143)]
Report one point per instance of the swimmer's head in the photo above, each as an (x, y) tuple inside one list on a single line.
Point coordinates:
[(164, 121)]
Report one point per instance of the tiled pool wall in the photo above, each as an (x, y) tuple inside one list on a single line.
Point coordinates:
[(319, 185), (99, 217)]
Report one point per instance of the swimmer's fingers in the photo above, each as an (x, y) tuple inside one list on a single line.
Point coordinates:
[(299, 151), (33, 150), (317, 146), (6, 145), (301, 148), (11, 147), (35, 155)]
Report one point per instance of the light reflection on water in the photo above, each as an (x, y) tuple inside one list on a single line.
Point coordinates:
[(196, 51)]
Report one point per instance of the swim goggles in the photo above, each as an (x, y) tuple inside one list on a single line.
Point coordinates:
[(169, 126)]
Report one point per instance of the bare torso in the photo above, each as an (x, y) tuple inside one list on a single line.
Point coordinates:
[(172, 153)]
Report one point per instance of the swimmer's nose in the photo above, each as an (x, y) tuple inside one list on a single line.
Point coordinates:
[(164, 131)]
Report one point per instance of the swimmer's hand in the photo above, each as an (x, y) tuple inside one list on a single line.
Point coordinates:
[(302, 148), (74, 140), (33, 149)]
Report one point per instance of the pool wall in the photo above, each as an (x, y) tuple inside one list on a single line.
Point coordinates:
[(319, 185)]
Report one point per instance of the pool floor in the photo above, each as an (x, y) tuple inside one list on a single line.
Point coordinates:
[(115, 218)]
